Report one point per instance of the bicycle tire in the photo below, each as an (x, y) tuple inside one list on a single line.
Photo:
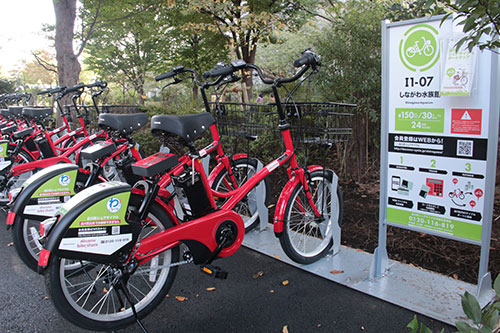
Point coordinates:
[(303, 239), (59, 283), (244, 207), (18, 180)]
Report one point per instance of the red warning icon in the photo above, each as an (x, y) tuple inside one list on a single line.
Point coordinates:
[(466, 121)]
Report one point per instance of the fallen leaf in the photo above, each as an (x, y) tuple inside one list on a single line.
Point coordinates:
[(180, 298), (455, 276), (197, 295), (105, 290), (285, 329), (271, 291), (359, 250), (211, 289), (319, 325), (277, 257), (336, 271), (258, 274), (167, 296), (285, 282), (122, 309), (362, 328), (46, 298), (10, 244)]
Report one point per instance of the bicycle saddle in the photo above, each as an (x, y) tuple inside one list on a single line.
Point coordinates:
[(22, 133), (6, 114), (9, 129), (189, 127), (123, 123), (16, 110), (38, 113)]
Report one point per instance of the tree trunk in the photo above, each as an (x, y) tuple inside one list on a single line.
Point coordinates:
[(249, 57), (68, 67)]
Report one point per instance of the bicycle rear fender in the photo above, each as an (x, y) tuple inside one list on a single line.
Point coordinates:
[(93, 225), (44, 192), (220, 167), (279, 213)]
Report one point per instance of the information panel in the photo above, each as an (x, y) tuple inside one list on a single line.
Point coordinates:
[(436, 113)]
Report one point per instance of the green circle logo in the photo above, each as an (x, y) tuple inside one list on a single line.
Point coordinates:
[(419, 49)]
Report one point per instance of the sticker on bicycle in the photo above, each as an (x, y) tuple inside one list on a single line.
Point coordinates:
[(98, 245), (109, 211), (3, 149), (466, 121), (59, 185), (42, 210)]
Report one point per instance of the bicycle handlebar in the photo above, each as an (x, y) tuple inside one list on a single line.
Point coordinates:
[(97, 84), (308, 58), (221, 69), (76, 88), (172, 73), (52, 91)]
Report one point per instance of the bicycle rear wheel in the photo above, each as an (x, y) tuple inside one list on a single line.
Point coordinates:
[(88, 296), (304, 238)]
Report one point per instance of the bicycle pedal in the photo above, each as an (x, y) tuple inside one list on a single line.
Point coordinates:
[(214, 271)]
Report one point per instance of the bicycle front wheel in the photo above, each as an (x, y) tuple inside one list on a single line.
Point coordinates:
[(305, 239), (89, 296)]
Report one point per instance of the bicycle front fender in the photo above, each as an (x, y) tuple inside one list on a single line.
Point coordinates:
[(286, 193), (220, 167)]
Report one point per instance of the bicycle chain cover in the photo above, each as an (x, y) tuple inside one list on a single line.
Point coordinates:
[(155, 164), (99, 150)]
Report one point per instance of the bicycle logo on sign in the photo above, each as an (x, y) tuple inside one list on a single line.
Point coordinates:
[(427, 49), (419, 48)]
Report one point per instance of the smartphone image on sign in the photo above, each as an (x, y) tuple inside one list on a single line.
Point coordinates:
[(395, 181)]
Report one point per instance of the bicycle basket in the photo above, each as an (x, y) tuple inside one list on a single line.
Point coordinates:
[(244, 120), (320, 123)]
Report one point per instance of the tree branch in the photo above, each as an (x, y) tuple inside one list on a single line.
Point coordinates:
[(90, 31), (45, 64)]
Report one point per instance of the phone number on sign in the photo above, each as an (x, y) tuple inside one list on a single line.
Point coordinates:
[(430, 222)]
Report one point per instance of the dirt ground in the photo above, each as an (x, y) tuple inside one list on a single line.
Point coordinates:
[(456, 259)]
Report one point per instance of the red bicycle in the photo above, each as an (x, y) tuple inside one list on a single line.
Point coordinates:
[(128, 245)]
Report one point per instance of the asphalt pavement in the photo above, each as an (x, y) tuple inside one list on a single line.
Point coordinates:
[(254, 298)]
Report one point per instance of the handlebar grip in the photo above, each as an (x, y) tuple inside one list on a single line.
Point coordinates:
[(164, 76), (308, 58), (219, 70), (75, 88), (99, 83)]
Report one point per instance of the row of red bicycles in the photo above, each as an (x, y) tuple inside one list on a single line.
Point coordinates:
[(110, 227)]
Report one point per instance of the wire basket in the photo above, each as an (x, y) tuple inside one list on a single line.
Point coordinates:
[(321, 123), (244, 120)]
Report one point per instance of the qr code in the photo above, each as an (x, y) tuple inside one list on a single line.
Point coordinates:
[(464, 148)]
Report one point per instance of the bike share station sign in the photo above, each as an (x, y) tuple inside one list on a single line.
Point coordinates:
[(438, 154)]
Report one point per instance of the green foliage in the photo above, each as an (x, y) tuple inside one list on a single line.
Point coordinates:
[(406, 10), (413, 327), (7, 86), (480, 20)]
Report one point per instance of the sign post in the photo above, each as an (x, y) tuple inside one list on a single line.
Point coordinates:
[(439, 139)]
